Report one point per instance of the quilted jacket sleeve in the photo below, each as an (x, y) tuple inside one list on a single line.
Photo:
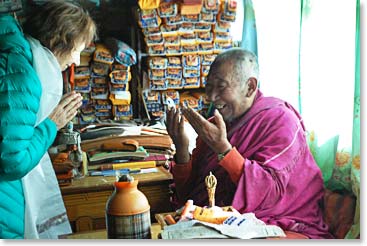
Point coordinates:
[(22, 145)]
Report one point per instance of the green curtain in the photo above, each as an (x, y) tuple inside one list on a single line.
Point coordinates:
[(339, 162), (356, 145)]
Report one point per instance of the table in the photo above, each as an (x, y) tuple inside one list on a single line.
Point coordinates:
[(85, 199), (102, 234)]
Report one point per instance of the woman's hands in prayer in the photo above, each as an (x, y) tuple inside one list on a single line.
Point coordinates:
[(66, 110), (213, 134), (175, 128)]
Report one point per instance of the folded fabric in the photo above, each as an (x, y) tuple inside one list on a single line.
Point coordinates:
[(148, 4), (103, 157)]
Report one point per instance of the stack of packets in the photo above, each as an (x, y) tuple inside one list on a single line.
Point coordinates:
[(203, 30), (194, 222), (182, 40), (103, 80), (157, 101)]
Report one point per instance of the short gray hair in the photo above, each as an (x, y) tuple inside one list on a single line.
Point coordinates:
[(245, 63)]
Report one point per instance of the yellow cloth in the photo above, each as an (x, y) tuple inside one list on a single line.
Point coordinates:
[(149, 4)]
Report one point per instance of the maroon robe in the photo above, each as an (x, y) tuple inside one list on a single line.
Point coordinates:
[(270, 171)]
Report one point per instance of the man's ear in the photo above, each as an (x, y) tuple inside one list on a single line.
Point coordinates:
[(252, 86)]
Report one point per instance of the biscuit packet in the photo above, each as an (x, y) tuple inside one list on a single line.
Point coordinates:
[(167, 9), (102, 54)]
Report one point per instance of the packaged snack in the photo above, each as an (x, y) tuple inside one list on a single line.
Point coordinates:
[(188, 73), (167, 9), (208, 59), (204, 37), (222, 26), (226, 17), (192, 82), (172, 41), (188, 39), (230, 6), (174, 62), (206, 48), (210, 6), (220, 37), (154, 40), (102, 104), (158, 63), (82, 85), (117, 66), (220, 47), (152, 97), (202, 27), (99, 69), (189, 49), (190, 101), (174, 73), (193, 18), (191, 61), (149, 18), (151, 31), (190, 8), (87, 110), (120, 77), (186, 28), (99, 81), (123, 108), (208, 18), (82, 72), (175, 83), (103, 55), (99, 90), (160, 84), (173, 20), (169, 30), (116, 88), (156, 50), (173, 50), (99, 93), (122, 111), (156, 74)]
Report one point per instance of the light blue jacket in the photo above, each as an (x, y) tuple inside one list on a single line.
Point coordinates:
[(22, 145)]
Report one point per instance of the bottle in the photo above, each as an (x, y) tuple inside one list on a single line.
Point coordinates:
[(127, 211)]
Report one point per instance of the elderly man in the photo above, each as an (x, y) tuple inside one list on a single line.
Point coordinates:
[(256, 148)]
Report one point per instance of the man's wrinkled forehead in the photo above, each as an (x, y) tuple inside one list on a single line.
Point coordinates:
[(221, 69)]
